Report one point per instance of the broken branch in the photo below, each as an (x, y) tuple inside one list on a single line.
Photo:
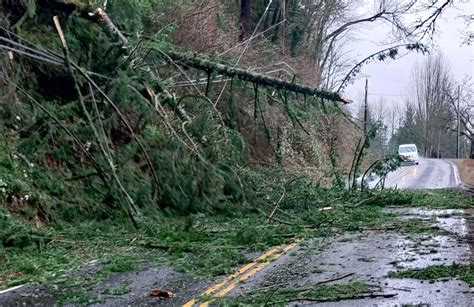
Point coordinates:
[(359, 296)]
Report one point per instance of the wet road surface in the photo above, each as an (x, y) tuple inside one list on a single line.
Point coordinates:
[(428, 174), (365, 257), (369, 256)]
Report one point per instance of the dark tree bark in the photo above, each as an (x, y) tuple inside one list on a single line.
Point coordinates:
[(245, 18), (276, 18), (471, 156)]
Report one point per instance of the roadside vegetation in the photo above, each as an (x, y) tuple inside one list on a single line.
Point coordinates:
[(321, 293), (464, 272), (438, 199)]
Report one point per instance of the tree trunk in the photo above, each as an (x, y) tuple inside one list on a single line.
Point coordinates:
[(188, 60), (275, 20), (471, 156), (245, 18)]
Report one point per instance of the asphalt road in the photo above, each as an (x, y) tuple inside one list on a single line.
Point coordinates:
[(428, 174), (368, 257)]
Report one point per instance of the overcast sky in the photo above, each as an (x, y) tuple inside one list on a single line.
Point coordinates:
[(391, 80)]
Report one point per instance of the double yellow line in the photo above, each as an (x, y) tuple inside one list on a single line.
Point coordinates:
[(230, 282), (399, 176)]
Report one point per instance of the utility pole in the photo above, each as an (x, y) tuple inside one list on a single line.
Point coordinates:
[(459, 123), (366, 106)]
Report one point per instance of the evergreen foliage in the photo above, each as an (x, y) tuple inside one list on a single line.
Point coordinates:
[(89, 145)]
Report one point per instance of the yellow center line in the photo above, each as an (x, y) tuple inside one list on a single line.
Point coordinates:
[(232, 276), (247, 275)]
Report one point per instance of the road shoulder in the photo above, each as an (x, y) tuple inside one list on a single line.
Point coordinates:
[(465, 168)]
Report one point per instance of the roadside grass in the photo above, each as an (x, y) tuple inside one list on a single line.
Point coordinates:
[(280, 297), (66, 250), (436, 199), (465, 272), (60, 261)]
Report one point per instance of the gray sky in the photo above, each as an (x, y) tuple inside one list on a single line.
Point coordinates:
[(391, 80)]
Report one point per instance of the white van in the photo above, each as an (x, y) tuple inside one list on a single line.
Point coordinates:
[(409, 152)]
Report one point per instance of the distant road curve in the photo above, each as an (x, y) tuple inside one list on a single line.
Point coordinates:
[(428, 174)]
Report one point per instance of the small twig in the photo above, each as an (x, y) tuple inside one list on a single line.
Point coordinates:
[(186, 17), (278, 202), (333, 279), (290, 224), (280, 221), (289, 214), (325, 282), (401, 289), (358, 296), (252, 38), (361, 202), (381, 229)]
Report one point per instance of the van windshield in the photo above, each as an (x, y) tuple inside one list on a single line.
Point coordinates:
[(407, 149)]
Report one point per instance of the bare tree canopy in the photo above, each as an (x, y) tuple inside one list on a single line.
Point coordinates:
[(439, 111), (319, 28)]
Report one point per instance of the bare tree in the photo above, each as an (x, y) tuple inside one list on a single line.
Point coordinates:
[(245, 18), (468, 33), (319, 28), (459, 97), (431, 81), (337, 65), (327, 24)]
